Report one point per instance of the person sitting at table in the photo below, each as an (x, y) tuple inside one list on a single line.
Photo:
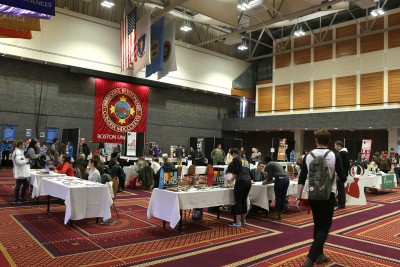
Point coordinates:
[(192, 154), (258, 174), (275, 170), (117, 171), (241, 189), (199, 159), (65, 166), (54, 160), (21, 172), (168, 164), (80, 161), (94, 174)]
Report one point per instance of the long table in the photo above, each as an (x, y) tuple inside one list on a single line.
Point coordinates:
[(83, 199), (167, 205)]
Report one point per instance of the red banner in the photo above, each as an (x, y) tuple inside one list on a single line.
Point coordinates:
[(15, 33), (119, 108)]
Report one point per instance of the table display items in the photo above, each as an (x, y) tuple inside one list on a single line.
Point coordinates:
[(168, 179)]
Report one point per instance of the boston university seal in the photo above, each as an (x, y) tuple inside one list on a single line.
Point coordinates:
[(121, 110)]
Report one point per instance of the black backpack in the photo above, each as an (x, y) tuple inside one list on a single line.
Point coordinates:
[(320, 182)]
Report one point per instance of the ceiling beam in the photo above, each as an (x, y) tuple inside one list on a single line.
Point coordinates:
[(168, 8), (259, 26)]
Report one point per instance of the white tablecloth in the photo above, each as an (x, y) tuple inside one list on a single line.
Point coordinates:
[(36, 179), (375, 181), (166, 205), (83, 199)]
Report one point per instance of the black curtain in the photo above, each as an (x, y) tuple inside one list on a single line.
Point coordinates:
[(72, 136)]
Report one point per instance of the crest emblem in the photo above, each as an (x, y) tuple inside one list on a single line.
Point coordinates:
[(141, 44), (167, 50), (121, 110)]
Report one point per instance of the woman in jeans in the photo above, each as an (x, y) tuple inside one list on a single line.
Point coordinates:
[(242, 187), (275, 171)]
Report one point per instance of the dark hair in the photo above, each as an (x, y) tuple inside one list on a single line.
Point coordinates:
[(235, 151), (55, 140), (112, 163), (339, 143), (268, 158), (323, 136), (260, 162), (101, 145), (94, 161), (66, 158), (32, 144)]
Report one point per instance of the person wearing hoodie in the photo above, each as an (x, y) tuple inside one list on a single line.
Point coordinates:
[(346, 166)]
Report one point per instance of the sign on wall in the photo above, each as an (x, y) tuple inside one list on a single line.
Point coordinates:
[(9, 132), (119, 108), (51, 134)]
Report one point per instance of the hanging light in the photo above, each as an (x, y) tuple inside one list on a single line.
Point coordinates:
[(243, 45), (107, 3), (185, 24), (299, 32), (378, 11), (243, 4)]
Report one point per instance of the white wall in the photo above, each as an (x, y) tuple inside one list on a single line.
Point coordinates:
[(73, 39)]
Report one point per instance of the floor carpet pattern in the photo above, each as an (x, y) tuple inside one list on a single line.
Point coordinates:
[(29, 236)]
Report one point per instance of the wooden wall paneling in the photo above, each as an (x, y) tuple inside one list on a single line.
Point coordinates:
[(371, 88), (324, 52), (322, 93), (394, 86), (302, 56), (282, 97), (346, 91), (394, 38), (377, 24), (301, 95), (264, 99), (349, 47), (372, 43), (283, 60)]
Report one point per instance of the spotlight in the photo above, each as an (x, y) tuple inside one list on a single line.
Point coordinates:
[(186, 26), (243, 45), (243, 4), (107, 3)]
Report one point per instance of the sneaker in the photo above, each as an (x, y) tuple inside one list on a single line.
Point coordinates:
[(108, 222), (322, 259), (235, 224), (336, 208), (22, 200), (16, 202)]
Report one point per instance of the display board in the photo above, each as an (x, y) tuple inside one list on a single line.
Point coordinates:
[(134, 144)]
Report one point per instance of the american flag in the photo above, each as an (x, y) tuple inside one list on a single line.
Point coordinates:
[(124, 43), (132, 37)]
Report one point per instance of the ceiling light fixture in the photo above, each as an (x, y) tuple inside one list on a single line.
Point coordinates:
[(243, 4), (107, 3), (299, 32), (378, 11), (243, 45), (185, 24)]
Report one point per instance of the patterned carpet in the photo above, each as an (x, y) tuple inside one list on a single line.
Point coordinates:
[(29, 236)]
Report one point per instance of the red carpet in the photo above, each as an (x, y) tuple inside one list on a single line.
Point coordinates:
[(29, 236)]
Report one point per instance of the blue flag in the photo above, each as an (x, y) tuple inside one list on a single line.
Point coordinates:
[(157, 47), (44, 6)]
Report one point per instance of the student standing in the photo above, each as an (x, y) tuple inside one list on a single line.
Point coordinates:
[(21, 172), (322, 210)]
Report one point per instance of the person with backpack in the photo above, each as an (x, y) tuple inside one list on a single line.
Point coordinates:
[(117, 171), (319, 166)]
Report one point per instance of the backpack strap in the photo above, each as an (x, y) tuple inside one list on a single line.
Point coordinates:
[(326, 154), (312, 155)]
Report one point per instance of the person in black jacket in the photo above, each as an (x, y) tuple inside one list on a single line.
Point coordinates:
[(322, 210), (346, 166), (242, 187)]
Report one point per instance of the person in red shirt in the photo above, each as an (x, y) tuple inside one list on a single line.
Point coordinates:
[(65, 166)]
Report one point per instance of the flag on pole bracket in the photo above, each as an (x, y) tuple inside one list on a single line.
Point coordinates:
[(132, 37), (169, 51), (157, 47), (142, 43)]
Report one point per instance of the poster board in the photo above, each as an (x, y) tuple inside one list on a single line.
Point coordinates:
[(134, 144)]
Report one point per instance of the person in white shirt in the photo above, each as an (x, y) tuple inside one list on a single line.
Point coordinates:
[(94, 174), (21, 172)]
